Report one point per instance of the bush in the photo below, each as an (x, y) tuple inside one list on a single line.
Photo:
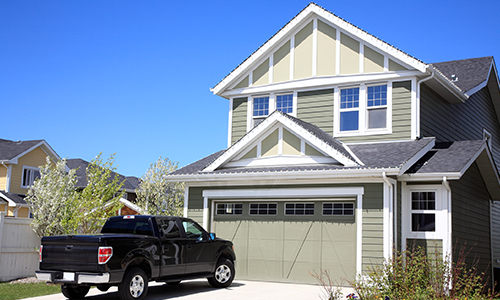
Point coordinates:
[(417, 275)]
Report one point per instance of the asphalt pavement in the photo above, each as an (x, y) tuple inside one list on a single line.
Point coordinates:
[(201, 290)]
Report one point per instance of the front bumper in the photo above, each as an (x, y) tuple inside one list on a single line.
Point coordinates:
[(61, 277)]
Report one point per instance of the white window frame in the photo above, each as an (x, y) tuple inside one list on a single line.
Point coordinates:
[(343, 214), (294, 101), (232, 208), (32, 174), (442, 213), (362, 111), (258, 203)]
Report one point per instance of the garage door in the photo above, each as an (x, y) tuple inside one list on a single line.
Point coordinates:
[(288, 240)]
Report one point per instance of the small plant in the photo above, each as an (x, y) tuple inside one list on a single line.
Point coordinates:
[(331, 291)]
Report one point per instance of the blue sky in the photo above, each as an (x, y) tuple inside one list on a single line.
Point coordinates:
[(133, 77)]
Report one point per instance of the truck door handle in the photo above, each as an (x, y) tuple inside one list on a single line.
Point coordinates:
[(188, 247)]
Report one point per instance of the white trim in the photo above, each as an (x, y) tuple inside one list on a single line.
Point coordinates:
[(415, 117), (357, 192), (322, 82), (9, 201), (295, 103), (292, 57), (442, 214), (388, 216), (130, 205), (337, 52), (186, 201), (15, 159), (271, 68), (417, 156), (22, 175), (280, 160), (205, 213), (8, 180), (230, 123), (315, 48), (361, 58), (249, 113)]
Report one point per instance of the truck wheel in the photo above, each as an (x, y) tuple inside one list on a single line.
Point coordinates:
[(223, 275), (74, 291), (134, 285)]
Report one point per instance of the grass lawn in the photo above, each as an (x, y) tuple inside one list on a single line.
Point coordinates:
[(25, 290)]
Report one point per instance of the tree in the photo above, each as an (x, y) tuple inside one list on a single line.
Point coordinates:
[(100, 199), (58, 207), (157, 196), (51, 198)]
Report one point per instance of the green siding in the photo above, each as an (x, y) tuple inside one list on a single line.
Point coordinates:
[(459, 122), (239, 123), (316, 107), (401, 117), (471, 219)]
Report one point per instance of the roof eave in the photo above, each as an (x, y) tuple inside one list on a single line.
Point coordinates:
[(446, 88)]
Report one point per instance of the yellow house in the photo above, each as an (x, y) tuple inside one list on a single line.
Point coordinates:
[(19, 162)]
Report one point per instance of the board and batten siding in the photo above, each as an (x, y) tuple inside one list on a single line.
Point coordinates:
[(316, 107), (239, 119), (372, 230), (459, 122), (401, 117), (471, 219)]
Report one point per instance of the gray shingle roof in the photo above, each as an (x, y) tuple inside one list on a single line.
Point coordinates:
[(16, 198), (447, 157), (469, 72), (375, 156), (81, 166), (10, 149)]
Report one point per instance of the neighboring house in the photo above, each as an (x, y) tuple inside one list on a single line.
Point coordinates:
[(19, 168), (341, 147), (130, 185)]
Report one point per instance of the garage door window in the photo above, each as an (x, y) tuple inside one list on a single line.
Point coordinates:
[(229, 209), (299, 209), (338, 209), (263, 209)]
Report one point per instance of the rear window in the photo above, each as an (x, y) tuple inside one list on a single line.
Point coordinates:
[(131, 226)]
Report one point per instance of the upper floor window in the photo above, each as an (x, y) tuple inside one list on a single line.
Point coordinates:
[(349, 109), (260, 109), (284, 103), (30, 174), (377, 106)]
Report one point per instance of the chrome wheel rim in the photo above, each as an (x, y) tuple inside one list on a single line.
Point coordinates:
[(222, 274), (137, 286)]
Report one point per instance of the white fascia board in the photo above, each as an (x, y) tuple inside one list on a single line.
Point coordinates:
[(330, 18), (9, 201), (281, 160), (448, 84), (285, 193), (490, 157), (430, 176), (321, 82), (283, 175), (42, 143), (417, 156), (477, 88)]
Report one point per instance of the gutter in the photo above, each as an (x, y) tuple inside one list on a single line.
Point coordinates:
[(388, 216), (448, 247)]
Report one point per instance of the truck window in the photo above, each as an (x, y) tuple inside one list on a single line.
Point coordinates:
[(131, 226), (169, 229), (192, 231)]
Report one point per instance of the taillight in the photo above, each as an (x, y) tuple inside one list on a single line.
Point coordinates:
[(40, 254), (105, 254)]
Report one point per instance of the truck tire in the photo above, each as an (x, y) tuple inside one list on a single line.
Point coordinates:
[(134, 285), (74, 291), (223, 275)]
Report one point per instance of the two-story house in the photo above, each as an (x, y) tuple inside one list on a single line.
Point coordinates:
[(341, 148), (18, 170)]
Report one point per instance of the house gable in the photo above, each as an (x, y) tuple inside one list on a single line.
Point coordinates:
[(314, 49), (284, 140)]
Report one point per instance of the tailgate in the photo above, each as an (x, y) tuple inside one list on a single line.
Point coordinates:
[(70, 253)]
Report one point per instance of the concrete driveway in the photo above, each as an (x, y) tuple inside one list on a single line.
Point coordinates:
[(200, 289)]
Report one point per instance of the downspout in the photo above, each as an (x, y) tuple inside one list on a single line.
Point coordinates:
[(390, 222), (449, 232), (417, 113)]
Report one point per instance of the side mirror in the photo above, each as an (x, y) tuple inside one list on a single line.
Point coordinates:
[(212, 236)]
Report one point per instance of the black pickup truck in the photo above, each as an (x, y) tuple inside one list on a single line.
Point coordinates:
[(132, 250)]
